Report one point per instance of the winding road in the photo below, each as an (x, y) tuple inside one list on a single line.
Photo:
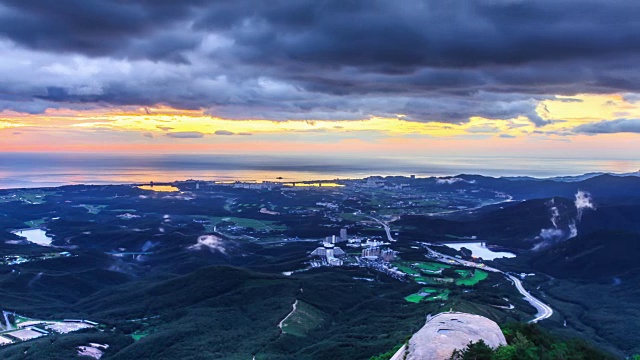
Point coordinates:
[(387, 229), (544, 311), (295, 305)]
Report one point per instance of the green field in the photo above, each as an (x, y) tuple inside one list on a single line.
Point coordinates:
[(441, 296), (247, 222), (471, 279), (428, 294), (414, 298), (21, 319), (138, 335), (408, 270), (431, 266), (464, 273), (420, 267), (420, 272), (35, 196), (35, 223), (425, 280), (93, 209), (303, 320)]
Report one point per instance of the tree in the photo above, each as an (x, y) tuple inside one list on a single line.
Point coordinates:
[(525, 348), (507, 352), (474, 351)]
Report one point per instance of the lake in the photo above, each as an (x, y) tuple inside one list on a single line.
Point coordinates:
[(480, 251), (36, 236)]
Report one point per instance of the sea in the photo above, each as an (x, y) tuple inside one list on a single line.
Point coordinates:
[(30, 170)]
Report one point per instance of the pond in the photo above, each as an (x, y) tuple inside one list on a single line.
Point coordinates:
[(36, 236), (478, 249)]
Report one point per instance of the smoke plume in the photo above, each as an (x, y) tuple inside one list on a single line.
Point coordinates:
[(561, 232), (35, 278), (555, 214), (583, 201)]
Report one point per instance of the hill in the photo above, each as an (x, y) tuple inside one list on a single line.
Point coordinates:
[(517, 225), (595, 255)]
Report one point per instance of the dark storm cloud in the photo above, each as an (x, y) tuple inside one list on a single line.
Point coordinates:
[(399, 37), (610, 127), (98, 27), (308, 59)]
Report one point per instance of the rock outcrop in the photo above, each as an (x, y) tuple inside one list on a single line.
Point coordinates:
[(446, 332)]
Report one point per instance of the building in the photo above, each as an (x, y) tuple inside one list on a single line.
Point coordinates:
[(329, 253), (343, 234), (388, 255), (331, 239), (371, 253), (328, 250), (374, 252), (374, 243)]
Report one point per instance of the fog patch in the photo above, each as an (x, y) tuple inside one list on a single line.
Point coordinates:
[(148, 245), (583, 201), (453, 180), (211, 242), (35, 278), (573, 230), (554, 234)]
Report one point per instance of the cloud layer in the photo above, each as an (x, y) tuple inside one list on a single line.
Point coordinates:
[(610, 127), (185, 134), (311, 60)]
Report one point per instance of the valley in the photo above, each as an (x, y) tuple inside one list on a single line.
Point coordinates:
[(306, 272)]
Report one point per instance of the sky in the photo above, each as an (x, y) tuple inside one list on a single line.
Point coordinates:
[(411, 78)]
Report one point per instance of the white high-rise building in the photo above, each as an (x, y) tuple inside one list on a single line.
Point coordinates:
[(343, 234)]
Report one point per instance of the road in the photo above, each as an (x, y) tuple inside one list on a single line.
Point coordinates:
[(544, 310), (295, 305), (387, 229)]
